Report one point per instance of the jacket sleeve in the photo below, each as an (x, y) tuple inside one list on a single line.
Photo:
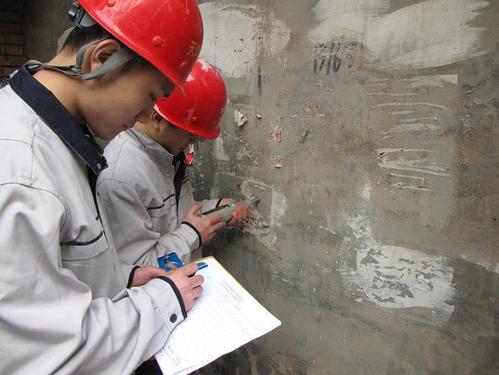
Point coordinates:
[(48, 320), (135, 238)]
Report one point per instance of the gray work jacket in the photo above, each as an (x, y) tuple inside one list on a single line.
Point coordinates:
[(57, 257), (138, 195)]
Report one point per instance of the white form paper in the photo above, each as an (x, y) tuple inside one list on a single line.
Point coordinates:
[(225, 317)]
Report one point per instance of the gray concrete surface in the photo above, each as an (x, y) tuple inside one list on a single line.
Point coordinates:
[(365, 132), (44, 22)]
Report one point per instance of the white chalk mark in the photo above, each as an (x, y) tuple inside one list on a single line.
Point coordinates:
[(420, 165), (402, 113), (425, 166), (393, 94), (377, 84), (402, 104), (412, 127), (407, 176), (382, 151), (418, 119), (400, 185), (439, 80)]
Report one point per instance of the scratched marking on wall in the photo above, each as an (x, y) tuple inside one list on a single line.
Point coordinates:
[(427, 34), (231, 39), (329, 57), (395, 277)]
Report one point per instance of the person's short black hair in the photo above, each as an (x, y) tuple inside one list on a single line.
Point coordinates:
[(79, 37)]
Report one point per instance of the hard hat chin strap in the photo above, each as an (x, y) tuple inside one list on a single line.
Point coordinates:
[(81, 19), (117, 59)]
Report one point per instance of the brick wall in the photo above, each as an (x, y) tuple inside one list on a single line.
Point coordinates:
[(11, 37)]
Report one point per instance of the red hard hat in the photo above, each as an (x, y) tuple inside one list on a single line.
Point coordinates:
[(167, 33), (200, 108)]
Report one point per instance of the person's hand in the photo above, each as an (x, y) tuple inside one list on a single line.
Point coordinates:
[(145, 274), (206, 226), (188, 283), (240, 213)]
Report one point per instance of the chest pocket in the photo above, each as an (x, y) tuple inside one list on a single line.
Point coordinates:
[(92, 262), (164, 218), (82, 250)]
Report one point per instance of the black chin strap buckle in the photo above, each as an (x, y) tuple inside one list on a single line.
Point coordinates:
[(79, 17)]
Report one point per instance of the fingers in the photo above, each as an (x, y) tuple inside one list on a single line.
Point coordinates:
[(197, 291), (218, 226), (194, 209), (215, 219), (196, 280), (190, 269)]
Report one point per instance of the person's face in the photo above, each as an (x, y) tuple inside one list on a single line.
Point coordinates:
[(120, 99), (174, 139)]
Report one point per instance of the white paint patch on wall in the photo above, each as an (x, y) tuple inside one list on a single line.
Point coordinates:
[(220, 154), (395, 277), (231, 37), (257, 225), (345, 18), (278, 208), (427, 34), (398, 277)]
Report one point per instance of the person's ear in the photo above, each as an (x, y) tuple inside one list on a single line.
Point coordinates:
[(101, 52), (156, 120)]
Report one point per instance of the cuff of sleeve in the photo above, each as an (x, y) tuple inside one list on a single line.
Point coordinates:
[(167, 300), (132, 274), (191, 235)]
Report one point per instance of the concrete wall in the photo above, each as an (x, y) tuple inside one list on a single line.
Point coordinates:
[(44, 22), (11, 37), (365, 133), (371, 151)]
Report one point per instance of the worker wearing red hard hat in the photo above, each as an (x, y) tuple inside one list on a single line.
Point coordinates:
[(64, 303), (145, 185)]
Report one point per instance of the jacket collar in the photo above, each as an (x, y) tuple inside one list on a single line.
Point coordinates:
[(153, 148), (76, 136)]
